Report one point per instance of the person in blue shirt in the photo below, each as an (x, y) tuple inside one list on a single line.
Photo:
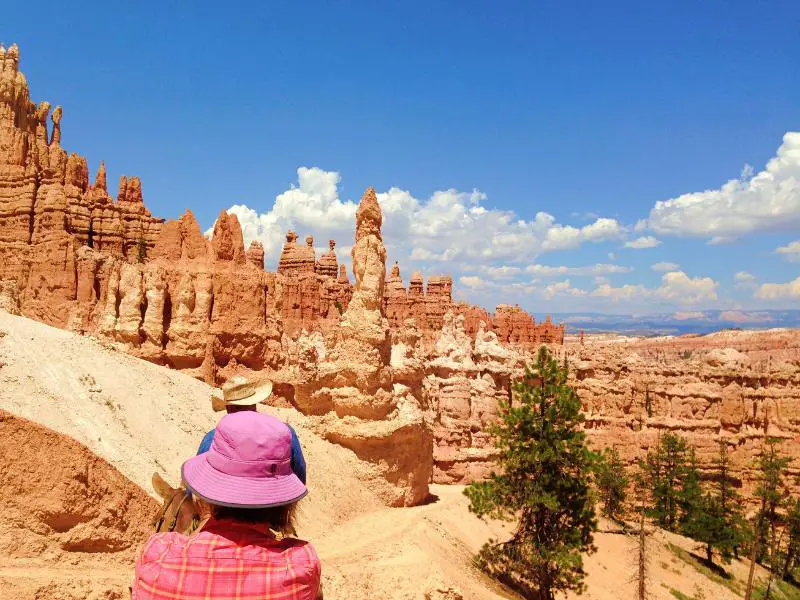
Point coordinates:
[(239, 394)]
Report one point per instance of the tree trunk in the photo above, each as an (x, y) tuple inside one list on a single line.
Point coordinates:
[(748, 594), (787, 565), (709, 554), (642, 570)]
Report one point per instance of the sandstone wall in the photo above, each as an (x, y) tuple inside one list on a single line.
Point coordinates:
[(734, 386), (78, 258)]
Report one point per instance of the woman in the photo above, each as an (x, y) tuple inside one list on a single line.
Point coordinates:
[(239, 394), (247, 493)]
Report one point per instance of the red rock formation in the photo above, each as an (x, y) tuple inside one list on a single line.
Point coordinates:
[(473, 317), (328, 266), (255, 254), (48, 209), (513, 325), (227, 243), (181, 240), (395, 299), (463, 385), (736, 387), (350, 385), (71, 510), (296, 259)]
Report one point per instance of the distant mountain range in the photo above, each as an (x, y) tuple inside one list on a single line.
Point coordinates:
[(701, 321)]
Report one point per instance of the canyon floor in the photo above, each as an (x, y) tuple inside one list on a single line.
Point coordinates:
[(83, 427)]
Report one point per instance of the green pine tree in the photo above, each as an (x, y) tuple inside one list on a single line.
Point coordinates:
[(612, 483), (793, 534), (771, 491), (709, 524), (703, 517), (772, 465), (141, 249), (690, 494), (735, 525), (664, 470), (544, 487)]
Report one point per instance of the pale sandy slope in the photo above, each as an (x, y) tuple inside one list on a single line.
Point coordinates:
[(141, 418)]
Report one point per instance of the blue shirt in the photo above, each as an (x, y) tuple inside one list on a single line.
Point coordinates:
[(298, 461)]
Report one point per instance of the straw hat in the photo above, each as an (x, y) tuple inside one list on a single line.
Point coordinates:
[(239, 391)]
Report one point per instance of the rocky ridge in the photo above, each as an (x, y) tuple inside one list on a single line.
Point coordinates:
[(83, 260), (378, 366), (735, 387)]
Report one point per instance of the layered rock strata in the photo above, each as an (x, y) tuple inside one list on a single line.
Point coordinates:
[(427, 303), (348, 379), (50, 213), (731, 387), (465, 381), (48, 208)]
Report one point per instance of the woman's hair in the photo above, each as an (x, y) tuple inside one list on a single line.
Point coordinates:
[(278, 518)]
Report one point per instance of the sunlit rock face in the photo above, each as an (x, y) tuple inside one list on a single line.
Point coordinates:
[(374, 362), (737, 387)]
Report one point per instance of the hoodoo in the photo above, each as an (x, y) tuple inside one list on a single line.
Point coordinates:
[(352, 387)]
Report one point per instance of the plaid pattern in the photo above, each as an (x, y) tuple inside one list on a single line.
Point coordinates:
[(227, 560)]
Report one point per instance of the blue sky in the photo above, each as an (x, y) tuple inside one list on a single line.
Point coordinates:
[(469, 119)]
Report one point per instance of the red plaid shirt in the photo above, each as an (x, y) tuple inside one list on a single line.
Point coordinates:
[(227, 560)]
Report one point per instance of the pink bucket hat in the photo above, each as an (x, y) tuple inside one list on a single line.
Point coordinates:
[(248, 465)]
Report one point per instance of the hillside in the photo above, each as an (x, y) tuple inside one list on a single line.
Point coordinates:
[(73, 519)]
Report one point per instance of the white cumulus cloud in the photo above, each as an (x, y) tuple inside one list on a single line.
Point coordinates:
[(623, 292), (563, 237), (645, 241), (791, 251), (676, 287), (562, 287), (766, 201), (598, 269), (779, 291), (449, 227), (679, 287), (472, 281)]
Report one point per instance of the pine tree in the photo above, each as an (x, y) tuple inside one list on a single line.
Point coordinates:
[(793, 534), (772, 465), (641, 559), (771, 492), (735, 526), (544, 486), (664, 471), (690, 494), (706, 524), (141, 249), (612, 483), (713, 518)]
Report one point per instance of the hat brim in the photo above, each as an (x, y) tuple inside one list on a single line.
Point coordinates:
[(222, 489), (263, 391)]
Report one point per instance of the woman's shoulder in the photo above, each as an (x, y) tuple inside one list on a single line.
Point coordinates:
[(159, 543), (301, 549)]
